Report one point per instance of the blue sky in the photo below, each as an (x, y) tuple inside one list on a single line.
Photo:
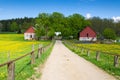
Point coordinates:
[(31, 8)]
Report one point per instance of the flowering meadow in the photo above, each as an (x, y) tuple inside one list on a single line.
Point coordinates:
[(109, 48), (13, 46)]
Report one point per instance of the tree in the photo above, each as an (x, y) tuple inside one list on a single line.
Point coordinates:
[(25, 26), (51, 33), (57, 21), (22, 24), (39, 30), (14, 27), (44, 19), (1, 27), (76, 22), (42, 22), (108, 33), (97, 24), (117, 28)]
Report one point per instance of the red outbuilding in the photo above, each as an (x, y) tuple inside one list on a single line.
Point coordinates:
[(87, 34), (29, 33)]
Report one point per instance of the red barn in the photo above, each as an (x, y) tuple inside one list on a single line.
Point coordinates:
[(30, 33), (87, 34)]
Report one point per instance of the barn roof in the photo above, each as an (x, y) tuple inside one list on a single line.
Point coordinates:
[(30, 30), (87, 30)]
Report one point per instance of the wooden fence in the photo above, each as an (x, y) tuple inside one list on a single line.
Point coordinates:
[(11, 64), (98, 53)]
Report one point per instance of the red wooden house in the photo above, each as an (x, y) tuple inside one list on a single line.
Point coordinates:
[(87, 34), (30, 33)]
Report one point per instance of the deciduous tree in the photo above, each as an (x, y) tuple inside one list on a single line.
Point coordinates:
[(109, 33), (14, 26)]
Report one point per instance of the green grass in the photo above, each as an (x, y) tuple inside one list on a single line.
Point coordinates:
[(17, 46), (105, 61), (11, 37), (27, 70)]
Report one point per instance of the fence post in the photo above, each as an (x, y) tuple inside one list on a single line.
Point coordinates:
[(97, 55), (42, 49), (39, 51), (45, 48), (11, 71), (88, 52), (116, 59), (82, 50), (32, 55)]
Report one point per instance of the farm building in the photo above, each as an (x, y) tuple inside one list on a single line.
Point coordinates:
[(87, 34), (30, 33)]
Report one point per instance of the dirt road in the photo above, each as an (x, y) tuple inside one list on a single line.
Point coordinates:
[(65, 65)]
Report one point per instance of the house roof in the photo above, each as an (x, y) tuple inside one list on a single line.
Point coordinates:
[(88, 30), (30, 30)]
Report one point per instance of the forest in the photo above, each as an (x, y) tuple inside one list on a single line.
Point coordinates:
[(46, 24)]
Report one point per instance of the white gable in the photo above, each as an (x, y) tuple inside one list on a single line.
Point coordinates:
[(29, 36)]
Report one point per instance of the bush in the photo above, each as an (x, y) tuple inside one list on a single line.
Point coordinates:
[(108, 33)]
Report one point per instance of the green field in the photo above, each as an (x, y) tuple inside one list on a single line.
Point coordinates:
[(13, 46), (108, 48)]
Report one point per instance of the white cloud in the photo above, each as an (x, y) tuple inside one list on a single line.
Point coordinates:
[(88, 15), (116, 19)]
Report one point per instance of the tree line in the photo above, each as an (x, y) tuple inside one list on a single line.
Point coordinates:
[(18, 25), (106, 28), (46, 24)]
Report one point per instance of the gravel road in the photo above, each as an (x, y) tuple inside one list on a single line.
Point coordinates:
[(63, 64)]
